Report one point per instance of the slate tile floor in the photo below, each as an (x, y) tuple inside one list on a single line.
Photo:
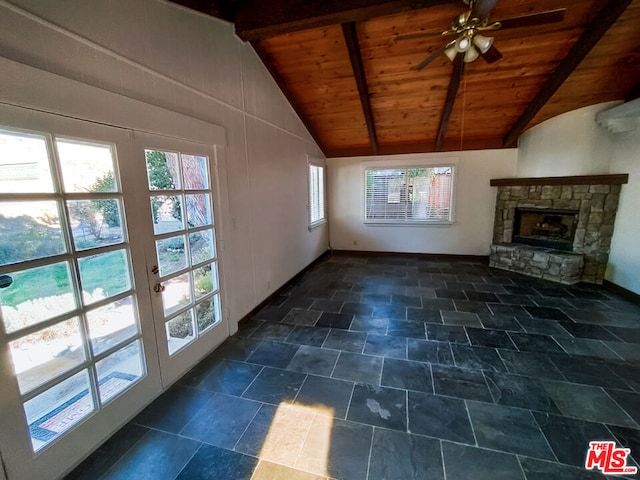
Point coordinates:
[(395, 367)]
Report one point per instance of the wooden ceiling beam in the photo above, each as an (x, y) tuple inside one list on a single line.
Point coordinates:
[(605, 18), (353, 46), (293, 101), (216, 8), (452, 92), (259, 19)]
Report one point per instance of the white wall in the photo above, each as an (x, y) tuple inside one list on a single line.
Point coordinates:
[(472, 231), (574, 144), (174, 58), (569, 144)]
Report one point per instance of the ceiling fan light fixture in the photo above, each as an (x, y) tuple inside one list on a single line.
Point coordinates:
[(471, 55), (451, 53), (483, 43), (463, 43)]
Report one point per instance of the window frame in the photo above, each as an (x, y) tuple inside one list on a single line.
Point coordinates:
[(366, 167), (313, 162)]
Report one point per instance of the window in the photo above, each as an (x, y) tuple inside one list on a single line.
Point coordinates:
[(411, 195), (316, 195)]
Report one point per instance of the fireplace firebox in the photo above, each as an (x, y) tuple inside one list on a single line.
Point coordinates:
[(544, 227)]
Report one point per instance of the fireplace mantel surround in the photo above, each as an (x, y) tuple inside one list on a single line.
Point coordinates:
[(595, 198)]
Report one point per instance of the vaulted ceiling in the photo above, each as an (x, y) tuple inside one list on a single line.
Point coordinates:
[(352, 82)]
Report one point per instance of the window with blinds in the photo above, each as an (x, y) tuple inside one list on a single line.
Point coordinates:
[(316, 195), (412, 195)]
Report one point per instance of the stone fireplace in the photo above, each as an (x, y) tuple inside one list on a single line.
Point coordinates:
[(557, 228)]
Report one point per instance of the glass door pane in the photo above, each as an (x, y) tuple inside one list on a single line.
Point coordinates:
[(70, 314), (180, 197)]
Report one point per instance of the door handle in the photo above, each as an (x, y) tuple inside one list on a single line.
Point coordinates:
[(158, 288)]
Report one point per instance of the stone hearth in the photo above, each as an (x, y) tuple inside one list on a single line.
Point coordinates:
[(597, 205)]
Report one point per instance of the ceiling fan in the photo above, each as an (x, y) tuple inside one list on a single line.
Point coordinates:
[(469, 44)]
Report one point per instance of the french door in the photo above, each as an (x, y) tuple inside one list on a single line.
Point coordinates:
[(110, 276)]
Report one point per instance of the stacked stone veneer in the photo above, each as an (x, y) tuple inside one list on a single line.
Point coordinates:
[(597, 206)]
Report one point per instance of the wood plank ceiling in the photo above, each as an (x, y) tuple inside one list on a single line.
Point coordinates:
[(340, 66)]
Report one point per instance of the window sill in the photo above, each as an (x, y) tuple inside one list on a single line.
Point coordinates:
[(315, 225), (443, 223)]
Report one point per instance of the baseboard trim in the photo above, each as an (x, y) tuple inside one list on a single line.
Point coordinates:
[(433, 256), (623, 292), (266, 301)]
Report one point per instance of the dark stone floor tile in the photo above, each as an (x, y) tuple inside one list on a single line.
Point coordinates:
[(500, 322), (511, 299), (543, 327), (402, 328), (320, 292), (589, 316), (535, 469), (587, 304), (551, 302), (589, 372), (627, 335), (406, 301), (272, 331), (314, 360), (235, 348), (456, 285), (535, 343), (351, 308), (447, 333), (629, 352), (489, 288), (358, 368), (422, 315), (583, 330), (344, 296), (376, 298), (547, 313), (451, 294), (471, 463), (312, 336), (588, 293), (108, 453), (274, 354), (345, 340), (407, 375), (395, 312), (628, 438), (438, 304), (255, 435), (272, 314), (385, 346), (331, 394), (156, 455), (216, 463), (569, 438), (335, 320), (204, 368), (519, 391), (370, 325), (398, 455), (348, 455), (274, 471), (457, 382), (298, 316), (172, 410), (629, 401), (246, 329), (439, 417), (586, 347), (555, 291), (482, 296), (231, 377), (379, 406), (477, 358), (323, 305), (520, 290), (587, 403), (530, 364), (629, 373), (489, 338), (511, 310), (461, 319), (508, 429), (274, 386), (429, 352), (298, 302), (471, 306)]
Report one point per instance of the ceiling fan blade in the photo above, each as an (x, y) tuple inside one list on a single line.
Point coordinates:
[(550, 16), (492, 55), (421, 35), (483, 8), (452, 92), (430, 58)]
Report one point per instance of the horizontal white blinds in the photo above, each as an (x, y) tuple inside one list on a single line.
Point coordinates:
[(421, 194), (316, 194)]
